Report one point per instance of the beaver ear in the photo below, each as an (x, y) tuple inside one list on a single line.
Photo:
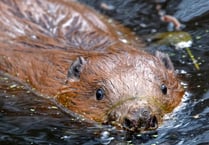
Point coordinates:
[(76, 68), (165, 59)]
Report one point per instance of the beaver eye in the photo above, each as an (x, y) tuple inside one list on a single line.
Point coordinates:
[(100, 94), (163, 89)]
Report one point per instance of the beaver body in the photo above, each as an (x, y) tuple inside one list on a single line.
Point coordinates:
[(68, 51)]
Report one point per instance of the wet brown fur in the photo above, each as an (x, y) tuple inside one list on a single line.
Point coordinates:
[(40, 39)]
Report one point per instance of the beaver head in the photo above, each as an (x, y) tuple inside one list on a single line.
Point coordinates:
[(131, 89)]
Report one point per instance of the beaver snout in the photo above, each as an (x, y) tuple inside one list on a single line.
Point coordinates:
[(141, 119)]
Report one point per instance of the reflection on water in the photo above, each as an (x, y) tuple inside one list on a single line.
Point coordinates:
[(26, 118)]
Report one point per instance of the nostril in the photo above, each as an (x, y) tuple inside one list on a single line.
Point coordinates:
[(153, 123), (127, 123)]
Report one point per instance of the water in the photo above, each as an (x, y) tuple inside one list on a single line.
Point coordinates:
[(26, 118)]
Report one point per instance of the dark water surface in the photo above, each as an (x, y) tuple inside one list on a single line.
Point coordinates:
[(26, 118)]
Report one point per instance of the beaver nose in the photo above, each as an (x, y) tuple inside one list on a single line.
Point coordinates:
[(141, 121)]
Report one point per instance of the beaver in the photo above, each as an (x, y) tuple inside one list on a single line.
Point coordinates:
[(69, 52)]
